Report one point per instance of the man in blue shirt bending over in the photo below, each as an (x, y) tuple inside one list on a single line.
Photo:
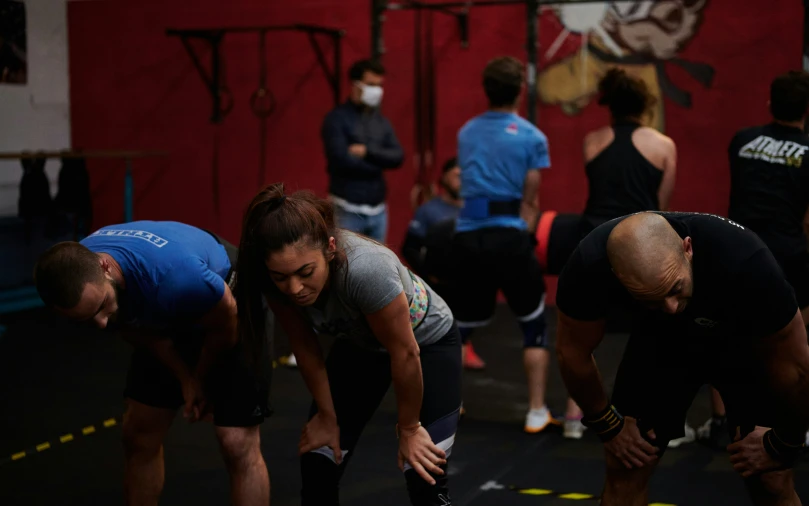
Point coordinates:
[(166, 287), (501, 155)]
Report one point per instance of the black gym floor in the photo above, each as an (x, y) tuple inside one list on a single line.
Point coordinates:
[(60, 404)]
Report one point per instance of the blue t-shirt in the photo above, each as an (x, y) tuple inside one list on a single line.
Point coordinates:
[(173, 272), (495, 152), (431, 212)]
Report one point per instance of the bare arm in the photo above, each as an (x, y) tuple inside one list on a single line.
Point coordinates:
[(669, 176), (575, 343), (309, 355), (391, 326), (787, 366), (529, 209)]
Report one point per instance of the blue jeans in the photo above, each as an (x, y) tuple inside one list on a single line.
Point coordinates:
[(375, 227)]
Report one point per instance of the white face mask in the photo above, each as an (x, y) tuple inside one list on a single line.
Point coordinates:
[(371, 95)]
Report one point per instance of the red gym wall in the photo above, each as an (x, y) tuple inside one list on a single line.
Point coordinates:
[(132, 87)]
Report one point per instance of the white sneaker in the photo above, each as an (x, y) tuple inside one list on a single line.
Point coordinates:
[(538, 420), (689, 437), (574, 429), (290, 361)]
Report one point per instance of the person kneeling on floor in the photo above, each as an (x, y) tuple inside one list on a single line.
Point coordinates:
[(389, 326), (166, 287)]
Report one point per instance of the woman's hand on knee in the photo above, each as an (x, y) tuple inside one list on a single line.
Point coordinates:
[(417, 449), (321, 431)]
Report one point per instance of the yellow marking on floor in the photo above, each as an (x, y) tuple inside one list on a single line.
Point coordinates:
[(43, 447), (66, 438), (109, 423), (18, 456), (576, 497), (88, 430), (535, 491), (661, 504)]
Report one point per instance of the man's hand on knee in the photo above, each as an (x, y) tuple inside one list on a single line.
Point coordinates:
[(630, 448), (750, 455)]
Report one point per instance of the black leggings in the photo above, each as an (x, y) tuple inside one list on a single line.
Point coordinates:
[(359, 380)]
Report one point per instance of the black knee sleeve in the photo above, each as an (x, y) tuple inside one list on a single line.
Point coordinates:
[(320, 480), (423, 494)]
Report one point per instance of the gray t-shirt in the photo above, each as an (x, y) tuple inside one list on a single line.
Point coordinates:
[(370, 279)]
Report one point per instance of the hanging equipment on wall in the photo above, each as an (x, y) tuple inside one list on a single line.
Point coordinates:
[(431, 106), (262, 103), (418, 122)]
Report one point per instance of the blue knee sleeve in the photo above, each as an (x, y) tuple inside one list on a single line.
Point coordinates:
[(465, 333), (535, 332)]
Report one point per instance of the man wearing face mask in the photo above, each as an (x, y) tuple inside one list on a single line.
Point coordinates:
[(360, 144)]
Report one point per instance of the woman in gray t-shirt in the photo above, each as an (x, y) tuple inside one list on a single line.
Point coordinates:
[(389, 325)]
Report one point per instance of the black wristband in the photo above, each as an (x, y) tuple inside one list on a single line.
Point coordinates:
[(606, 424), (780, 450)]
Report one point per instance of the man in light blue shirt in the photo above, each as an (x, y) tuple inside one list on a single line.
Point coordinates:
[(501, 156)]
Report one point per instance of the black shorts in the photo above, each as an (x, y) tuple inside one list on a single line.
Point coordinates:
[(796, 270), (663, 369), (492, 259), (237, 394)]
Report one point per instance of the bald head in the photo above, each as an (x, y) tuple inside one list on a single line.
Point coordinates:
[(651, 260)]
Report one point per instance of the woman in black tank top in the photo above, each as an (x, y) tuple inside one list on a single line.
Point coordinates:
[(621, 180)]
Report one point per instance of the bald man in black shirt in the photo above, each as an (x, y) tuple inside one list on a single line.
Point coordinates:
[(711, 306)]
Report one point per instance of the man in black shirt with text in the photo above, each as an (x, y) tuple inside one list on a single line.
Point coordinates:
[(769, 180), (769, 194), (711, 305)]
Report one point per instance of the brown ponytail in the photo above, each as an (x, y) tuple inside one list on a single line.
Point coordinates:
[(272, 221)]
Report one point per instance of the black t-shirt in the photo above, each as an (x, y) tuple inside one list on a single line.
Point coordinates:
[(738, 288), (769, 185)]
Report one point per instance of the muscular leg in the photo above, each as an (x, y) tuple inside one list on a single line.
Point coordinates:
[(241, 449), (144, 428), (773, 489), (626, 487)]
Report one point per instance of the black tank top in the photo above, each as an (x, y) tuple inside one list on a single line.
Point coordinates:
[(621, 180)]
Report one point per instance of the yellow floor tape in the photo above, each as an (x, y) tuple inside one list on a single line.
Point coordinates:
[(65, 438), (572, 496)]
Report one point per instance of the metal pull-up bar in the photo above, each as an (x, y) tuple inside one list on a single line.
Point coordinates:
[(379, 7), (215, 36)]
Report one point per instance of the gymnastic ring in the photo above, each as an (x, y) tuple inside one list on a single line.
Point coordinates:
[(543, 236), (262, 102)]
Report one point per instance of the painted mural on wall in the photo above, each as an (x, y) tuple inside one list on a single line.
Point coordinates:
[(642, 37), (13, 43)]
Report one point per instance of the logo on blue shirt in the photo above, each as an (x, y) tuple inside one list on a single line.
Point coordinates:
[(156, 240)]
